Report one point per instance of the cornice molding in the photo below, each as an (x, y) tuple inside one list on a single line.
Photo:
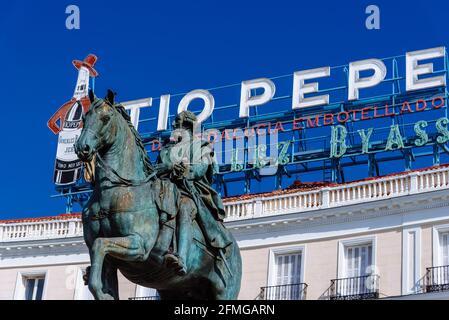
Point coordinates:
[(49, 247), (339, 215)]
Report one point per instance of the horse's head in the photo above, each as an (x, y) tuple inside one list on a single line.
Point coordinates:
[(100, 127)]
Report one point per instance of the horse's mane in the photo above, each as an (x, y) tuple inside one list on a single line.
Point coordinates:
[(140, 146)]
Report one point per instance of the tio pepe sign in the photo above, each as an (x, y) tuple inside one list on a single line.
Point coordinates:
[(417, 77)]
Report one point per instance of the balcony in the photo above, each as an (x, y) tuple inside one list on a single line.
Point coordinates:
[(338, 195), (355, 288), (437, 279), (54, 228), (145, 298), (284, 292), (261, 205)]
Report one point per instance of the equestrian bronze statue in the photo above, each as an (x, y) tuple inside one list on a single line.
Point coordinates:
[(160, 224)]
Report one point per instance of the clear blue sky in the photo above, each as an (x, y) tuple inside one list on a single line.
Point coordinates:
[(148, 48)]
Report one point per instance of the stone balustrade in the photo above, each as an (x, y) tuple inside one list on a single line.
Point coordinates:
[(412, 182), (340, 195), (41, 230)]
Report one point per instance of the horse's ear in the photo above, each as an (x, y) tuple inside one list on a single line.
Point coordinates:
[(91, 96), (110, 97)]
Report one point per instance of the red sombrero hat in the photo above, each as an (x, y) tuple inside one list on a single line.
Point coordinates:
[(89, 63)]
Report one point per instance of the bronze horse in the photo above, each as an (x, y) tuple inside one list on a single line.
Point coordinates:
[(121, 219)]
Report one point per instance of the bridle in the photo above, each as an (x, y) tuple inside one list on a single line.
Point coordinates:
[(120, 181)]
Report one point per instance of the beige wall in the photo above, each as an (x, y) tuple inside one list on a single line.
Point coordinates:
[(59, 282), (389, 262), (321, 264), (426, 247), (7, 283), (254, 272)]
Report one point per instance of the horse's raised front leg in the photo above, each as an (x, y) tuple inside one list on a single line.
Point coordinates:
[(110, 279), (130, 248)]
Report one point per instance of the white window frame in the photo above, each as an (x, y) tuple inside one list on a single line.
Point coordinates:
[(405, 259), (436, 231), (19, 290), (342, 244), (271, 281), (79, 286)]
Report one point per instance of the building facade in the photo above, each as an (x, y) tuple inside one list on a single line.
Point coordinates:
[(385, 237)]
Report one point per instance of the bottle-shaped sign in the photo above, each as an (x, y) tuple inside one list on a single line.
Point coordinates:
[(67, 123)]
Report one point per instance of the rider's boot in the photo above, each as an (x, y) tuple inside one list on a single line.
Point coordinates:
[(185, 237), (178, 260), (163, 241)]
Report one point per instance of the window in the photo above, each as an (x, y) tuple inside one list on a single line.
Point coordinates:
[(356, 278), (30, 285), (438, 275), (286, 275), (440, 245), (358, 260), (288, 269), (444, 248), (34, 287)]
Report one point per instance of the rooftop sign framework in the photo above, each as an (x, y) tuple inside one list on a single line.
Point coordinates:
[(319, 120)]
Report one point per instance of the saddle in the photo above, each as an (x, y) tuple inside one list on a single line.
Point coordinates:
[(167, 198)]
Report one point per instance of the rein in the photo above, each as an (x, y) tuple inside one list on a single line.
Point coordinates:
[(122, 181), (107, 168)]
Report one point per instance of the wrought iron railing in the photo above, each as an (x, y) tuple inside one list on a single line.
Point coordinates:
[(355, 288), (145, 298), (295, 291), (437, 279)]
